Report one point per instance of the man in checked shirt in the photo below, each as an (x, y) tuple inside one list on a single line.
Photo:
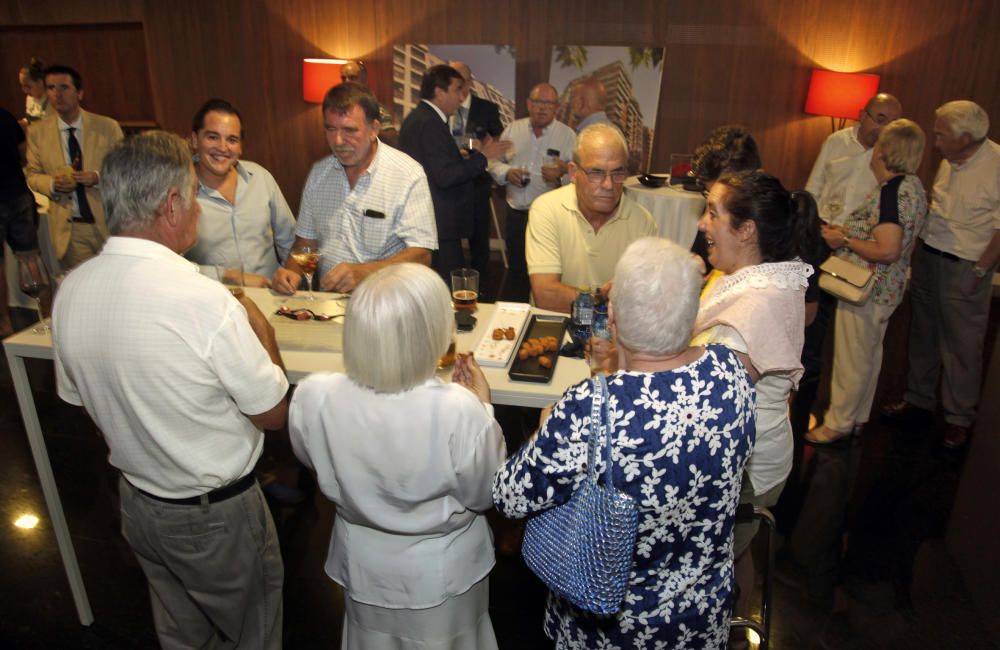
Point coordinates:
[(365, 206)]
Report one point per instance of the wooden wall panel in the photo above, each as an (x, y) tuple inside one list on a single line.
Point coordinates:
[(111, 59), (741, 61)]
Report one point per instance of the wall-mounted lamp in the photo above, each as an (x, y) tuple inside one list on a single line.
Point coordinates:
[(840, 94), (318, 76)]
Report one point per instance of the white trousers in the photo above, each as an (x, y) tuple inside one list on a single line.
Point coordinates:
[(857, 362)]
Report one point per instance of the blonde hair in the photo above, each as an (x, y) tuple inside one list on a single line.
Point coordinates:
[(398, 324), (901, 143)]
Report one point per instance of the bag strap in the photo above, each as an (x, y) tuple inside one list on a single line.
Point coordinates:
[(597, 407), (606, 429), (600, 433)]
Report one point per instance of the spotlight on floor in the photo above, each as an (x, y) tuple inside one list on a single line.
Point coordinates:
[(26, 521)]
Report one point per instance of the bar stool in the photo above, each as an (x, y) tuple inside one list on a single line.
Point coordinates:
[(745, 514)]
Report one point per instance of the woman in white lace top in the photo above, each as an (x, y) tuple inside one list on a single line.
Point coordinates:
[(758, 235)]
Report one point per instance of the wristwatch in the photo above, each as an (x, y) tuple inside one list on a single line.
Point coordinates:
[(978, 272)]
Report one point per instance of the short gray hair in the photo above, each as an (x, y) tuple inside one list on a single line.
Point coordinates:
[(398, 324), (138, 173), (598, 130), (655, 296), (901, 143), (963, 116)]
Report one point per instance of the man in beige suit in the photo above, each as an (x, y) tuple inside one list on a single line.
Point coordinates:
[(64, 153)]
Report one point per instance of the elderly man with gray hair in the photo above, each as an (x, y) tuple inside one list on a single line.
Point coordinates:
[(952, 274), (180, 376), (577, 233)]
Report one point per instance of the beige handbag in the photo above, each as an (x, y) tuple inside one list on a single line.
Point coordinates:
[(845, 280)]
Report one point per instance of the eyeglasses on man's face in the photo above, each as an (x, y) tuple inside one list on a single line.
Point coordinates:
[(548, 103), (881, 120), (597, 176)]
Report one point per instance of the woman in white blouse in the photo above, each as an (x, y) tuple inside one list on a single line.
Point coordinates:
[(409, 460)]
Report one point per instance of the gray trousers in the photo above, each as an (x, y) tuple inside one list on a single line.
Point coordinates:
[(214, 571), (951, 307)]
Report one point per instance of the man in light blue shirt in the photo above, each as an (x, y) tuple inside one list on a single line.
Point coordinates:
[(245, 219)]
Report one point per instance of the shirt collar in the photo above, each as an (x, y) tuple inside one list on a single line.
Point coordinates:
[(570, 203), (545, 131), (77, 123), (241, 171), (444, 118), (467, 102), (147, 248), (854, 135), (372, 168), (968, 161)]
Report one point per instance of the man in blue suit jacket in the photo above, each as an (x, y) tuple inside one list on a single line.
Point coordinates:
[(451, 172)]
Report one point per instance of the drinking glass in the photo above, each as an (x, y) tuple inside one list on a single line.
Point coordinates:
[(231, 277), (33, 280), (464, 289), (308, 259), (525, 175)]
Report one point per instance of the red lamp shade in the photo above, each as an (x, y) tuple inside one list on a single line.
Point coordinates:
[(318, 76), (840, 94)]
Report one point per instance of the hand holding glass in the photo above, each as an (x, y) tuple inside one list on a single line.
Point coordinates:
[(33, 280)]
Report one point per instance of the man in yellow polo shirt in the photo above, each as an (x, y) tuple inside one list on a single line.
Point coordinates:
[(577, 233)]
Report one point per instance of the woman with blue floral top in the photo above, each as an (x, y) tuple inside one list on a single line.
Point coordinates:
[(878, 236), (681, 421)]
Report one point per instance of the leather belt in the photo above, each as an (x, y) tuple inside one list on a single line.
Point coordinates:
[(948, 256), (215, 496)]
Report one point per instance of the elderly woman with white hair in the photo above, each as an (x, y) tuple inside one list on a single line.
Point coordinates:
[(681, 424), (879, 236), (409, 460)]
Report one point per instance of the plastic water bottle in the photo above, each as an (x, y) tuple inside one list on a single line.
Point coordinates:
[(599, 326), (583, 315), (599, 329)]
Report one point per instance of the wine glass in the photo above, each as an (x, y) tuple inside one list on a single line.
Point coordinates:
[(308, 259), (33, 280)]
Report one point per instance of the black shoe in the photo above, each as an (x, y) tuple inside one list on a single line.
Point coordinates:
[(904, 414)]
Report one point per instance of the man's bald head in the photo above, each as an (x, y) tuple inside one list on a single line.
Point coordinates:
[(879, 111), (543, 101), (466, 73), (354, 71), (463, 70), (589, 97)]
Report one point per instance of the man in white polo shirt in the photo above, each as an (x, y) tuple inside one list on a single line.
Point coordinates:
[(577, 233), (180, 377), (952, 273)]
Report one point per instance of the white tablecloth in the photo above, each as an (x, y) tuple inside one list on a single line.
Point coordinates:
[(675, 211)]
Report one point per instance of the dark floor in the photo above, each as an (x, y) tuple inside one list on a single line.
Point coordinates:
[(895, 587)]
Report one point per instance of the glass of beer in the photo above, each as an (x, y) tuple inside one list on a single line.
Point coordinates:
[(464, 289)]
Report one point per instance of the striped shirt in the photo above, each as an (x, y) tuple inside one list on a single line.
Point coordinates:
[(389, 209)]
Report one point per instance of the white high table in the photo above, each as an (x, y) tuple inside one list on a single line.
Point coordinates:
[(675, 211), (298, 363)]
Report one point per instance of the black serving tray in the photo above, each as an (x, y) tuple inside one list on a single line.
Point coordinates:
[(529, 369)]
